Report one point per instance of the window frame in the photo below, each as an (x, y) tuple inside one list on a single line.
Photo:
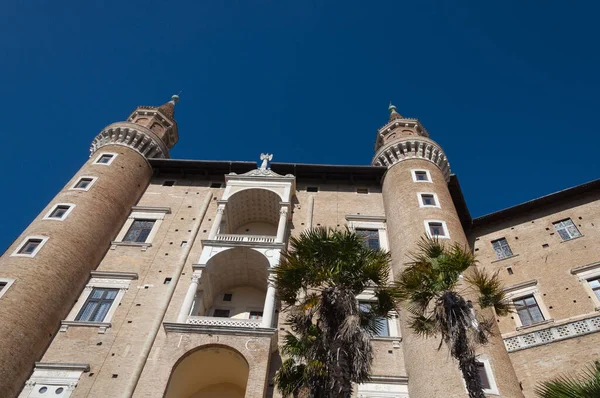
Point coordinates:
[(43, 239), (89, 186), (102, 280), (413, 172), (525, 289), (356, 231), (99, 300), (97, 161), (422, 203), (49, 217), (585, 274), (554, 224), (444, 226), (156, 214), (368, 296), (137, 239), (56, 375), (7, 284), (357, 221), (507, 245), (493, 390)]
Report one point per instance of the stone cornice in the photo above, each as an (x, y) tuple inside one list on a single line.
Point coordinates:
[(204, 329), (114, 275), (84, 367), (360, 217), (412, 147), (133, 136)]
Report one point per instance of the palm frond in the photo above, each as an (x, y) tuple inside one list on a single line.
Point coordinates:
[(585, 385), (490, 289)]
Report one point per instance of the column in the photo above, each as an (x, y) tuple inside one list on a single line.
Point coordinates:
[(188, 301), (217, 224), (269, 308), (283, 212)]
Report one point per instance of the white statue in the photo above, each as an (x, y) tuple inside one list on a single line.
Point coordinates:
[(266, 158)]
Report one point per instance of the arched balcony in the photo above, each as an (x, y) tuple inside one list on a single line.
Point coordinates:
[(252, 215), (231, 291), (213, 371)]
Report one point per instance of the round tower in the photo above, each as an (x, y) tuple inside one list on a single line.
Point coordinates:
[(417, 202), (50, 262)]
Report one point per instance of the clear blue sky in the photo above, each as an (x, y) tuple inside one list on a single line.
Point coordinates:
[(510, 91)]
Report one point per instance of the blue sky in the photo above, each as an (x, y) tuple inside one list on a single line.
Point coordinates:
[(510, 90)]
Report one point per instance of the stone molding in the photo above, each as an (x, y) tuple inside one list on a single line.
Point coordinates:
[(360, 217), (228, 243), (102, 326), (223, 330), (114, 275), (84, 367), (133, 136), (413, 148)]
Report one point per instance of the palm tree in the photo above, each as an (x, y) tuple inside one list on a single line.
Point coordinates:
[(431, 285), (318, 280), (585, 386)]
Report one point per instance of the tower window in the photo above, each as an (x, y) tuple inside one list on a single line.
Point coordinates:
[(30, 246), (84, 183), (59, 212), (428, 200), (502, 248), (106, 158), (370, 236), (528, 310), (436, 229), (227, 296), (4, 285), (97, 305), (421, 175), (567, 229), (139, 231)]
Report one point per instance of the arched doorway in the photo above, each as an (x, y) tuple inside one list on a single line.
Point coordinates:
[(209, 372)]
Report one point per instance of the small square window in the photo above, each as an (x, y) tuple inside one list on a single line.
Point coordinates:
[(362, 190), (168, 183), (219, 313), (501, 248), (139, 231), (528, 310), (428, 200), (59, 211), (84, 183), (567, 229), (256, 315), (227, 296), (216, 185), (312, 189), (421, 176), (30, 246), (105, 158), (437, 229), (97, 305)]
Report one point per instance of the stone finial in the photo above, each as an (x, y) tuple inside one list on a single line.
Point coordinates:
[(266, 158), (393, 113)]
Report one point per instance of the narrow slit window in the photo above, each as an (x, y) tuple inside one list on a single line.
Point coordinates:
[(139, 231), (97, 305)]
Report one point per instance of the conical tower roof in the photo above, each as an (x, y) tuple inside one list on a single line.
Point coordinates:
[(393, 113), (168, 109)]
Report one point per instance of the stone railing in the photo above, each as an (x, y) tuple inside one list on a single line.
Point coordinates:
[(231, 322), (553, 333), (245, 238)]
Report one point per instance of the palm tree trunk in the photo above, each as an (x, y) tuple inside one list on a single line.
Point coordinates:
[(468, 364)]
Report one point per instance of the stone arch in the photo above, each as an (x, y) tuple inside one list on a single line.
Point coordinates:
[(209, 371), (253, 211)]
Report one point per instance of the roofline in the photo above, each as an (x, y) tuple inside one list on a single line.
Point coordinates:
[(546, 200)]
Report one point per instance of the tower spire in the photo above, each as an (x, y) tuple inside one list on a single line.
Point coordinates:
[(168, 109), (393, 113)]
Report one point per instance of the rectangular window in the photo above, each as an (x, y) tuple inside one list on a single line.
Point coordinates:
[(528, 310), (227, 296), (215, 185), (371, 237), (362, 190), (567, 229), (421, 176), (312, 189), (595, 285), (97, 305), (221, 313), (428, 199), (483, 376), (139, 231), (381, 323), (3, 286), (83, 183), (30, 246), (436, 229), (501, 248), (105, 159), (256, 315), (59, 211), (168, 183)]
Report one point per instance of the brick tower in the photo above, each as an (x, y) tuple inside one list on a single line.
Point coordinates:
[(50, 262), (417, 201)]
